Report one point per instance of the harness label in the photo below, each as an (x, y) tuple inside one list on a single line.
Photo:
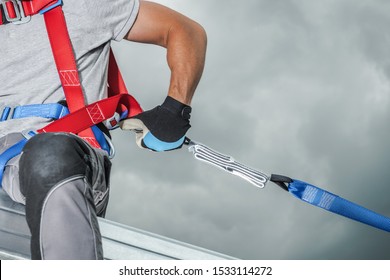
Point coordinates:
[(69, 78), (95, 113)]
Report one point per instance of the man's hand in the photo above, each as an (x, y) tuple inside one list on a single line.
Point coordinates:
[(162, 128)]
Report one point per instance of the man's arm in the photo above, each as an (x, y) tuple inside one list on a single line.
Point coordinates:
[(164, 127), (184, 39)]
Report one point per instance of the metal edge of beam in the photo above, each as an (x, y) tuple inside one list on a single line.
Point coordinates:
[(120, 242)]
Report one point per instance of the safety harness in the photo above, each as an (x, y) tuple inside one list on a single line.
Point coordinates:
[(76, 117)]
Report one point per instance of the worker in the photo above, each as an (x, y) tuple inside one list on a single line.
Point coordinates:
[(61, 177)]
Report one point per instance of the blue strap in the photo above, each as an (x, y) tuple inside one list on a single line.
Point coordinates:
[(5, 113), (99, 135), (152, 142), (48, 111), (11, 152), (58, 3), (17, 148), (333, 203)]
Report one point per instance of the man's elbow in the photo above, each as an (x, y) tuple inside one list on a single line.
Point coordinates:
[(188, 29), (199, 33)]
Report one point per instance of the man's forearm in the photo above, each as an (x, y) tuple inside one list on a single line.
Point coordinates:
[(186, 51), (184, 39)]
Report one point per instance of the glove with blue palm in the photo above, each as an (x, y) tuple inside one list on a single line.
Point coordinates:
[(162, 128)]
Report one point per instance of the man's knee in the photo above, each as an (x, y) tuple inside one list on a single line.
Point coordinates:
[(55, 172), (50, 158)]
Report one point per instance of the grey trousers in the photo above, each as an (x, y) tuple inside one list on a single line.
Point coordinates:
[(64, 183)]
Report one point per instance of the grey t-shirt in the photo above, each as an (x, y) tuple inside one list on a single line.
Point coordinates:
[(28, 74)]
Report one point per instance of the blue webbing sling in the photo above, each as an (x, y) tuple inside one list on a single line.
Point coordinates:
[(331, 202), (304, 191)]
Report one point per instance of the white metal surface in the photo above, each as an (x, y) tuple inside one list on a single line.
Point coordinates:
[(120, 242)]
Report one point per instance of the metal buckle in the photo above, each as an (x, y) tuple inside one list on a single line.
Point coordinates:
[(8, 113), (19, 12), (28, 134), (112, 122)]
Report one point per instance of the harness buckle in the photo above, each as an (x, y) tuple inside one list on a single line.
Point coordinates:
[(113, 122), (28, 134), (7, 113), (18, 16)]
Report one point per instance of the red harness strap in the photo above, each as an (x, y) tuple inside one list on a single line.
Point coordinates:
[(66, 65), (115, 79), (95, 113)]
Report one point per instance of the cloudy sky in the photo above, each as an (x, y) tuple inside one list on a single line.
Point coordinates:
[(295, 87)]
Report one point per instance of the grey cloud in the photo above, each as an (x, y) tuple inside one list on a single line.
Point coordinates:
[(299, 88)]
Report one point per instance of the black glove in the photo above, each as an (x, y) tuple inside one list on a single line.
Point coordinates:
[(162, 128)]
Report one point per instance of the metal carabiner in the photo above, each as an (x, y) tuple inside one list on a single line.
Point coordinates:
[(20, 16)]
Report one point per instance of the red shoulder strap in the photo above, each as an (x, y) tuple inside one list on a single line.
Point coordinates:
[(64, 58), (66, 65)]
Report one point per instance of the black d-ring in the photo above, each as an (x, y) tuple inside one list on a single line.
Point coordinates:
[(281, 181)]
